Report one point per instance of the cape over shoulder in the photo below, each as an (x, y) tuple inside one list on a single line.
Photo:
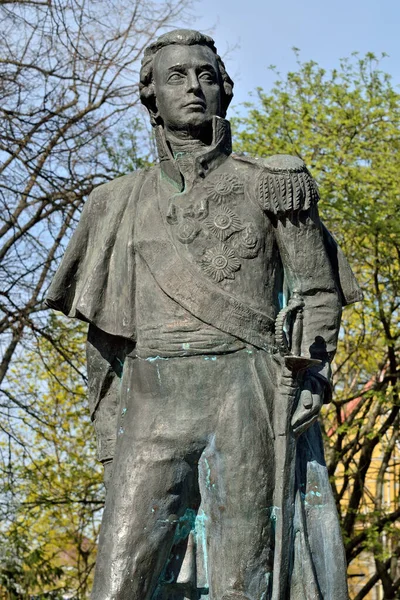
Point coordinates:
[(116, 191), (95, 280)]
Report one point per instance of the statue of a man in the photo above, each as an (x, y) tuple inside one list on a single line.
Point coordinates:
[(181, 270)]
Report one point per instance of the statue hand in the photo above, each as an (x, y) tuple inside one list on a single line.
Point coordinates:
[(309, 405)]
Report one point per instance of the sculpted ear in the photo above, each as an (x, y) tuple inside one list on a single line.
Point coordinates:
[(155, 117), (152, 104), (148, 98)]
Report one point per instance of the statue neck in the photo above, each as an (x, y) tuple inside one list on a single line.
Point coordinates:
[(178, 145), (206, 156)]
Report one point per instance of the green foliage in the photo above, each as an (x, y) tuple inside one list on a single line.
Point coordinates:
[(346, 126), (53, 495), (23, 569)]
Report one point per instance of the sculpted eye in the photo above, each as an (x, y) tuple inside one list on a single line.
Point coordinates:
[(175, 77), (207, 76)]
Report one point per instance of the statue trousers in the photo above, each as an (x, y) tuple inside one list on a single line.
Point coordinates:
[(194, 433), (195, 437)]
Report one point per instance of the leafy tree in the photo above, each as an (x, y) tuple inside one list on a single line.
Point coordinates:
[(54, 491), (345, 125)]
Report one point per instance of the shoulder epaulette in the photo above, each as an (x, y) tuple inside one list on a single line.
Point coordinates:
[(285, 185)]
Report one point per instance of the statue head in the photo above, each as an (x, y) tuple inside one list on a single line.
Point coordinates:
[(183, 82)]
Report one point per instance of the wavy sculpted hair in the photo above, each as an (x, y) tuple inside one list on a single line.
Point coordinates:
[(185, 37)]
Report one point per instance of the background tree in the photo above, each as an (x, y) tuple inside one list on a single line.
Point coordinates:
[(53, 486), (69, 120), (346, 126)]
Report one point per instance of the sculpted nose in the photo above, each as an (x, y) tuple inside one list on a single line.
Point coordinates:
[(193, 84)]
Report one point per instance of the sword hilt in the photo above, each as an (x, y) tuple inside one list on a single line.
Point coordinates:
[(291, 319), (289, 334)]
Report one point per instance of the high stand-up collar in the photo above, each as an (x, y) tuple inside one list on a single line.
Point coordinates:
[(206, 159)]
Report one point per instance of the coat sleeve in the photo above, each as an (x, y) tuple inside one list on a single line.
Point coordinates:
[(289, 195), (105, 355)]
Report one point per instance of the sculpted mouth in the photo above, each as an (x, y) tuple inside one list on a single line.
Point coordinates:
[(195, 104)]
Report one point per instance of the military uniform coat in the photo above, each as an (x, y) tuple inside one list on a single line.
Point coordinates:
[(234, 238)]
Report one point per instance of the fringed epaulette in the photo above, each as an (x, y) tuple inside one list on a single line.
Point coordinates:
[(285, 185)]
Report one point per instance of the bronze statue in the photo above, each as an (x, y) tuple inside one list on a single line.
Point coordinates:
[(213, 295)]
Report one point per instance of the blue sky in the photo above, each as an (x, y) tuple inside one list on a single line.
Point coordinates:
[(260, 33)]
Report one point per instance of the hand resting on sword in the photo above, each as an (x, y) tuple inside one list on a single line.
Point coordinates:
[(309, 404)]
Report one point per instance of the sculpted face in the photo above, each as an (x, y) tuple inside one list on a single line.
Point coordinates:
[(187, 88)]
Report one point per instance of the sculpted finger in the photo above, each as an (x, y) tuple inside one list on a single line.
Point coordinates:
[(304, 417), (306, 399), (301, 427)]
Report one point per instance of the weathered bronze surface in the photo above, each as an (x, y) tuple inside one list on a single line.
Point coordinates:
[(213, 295)]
